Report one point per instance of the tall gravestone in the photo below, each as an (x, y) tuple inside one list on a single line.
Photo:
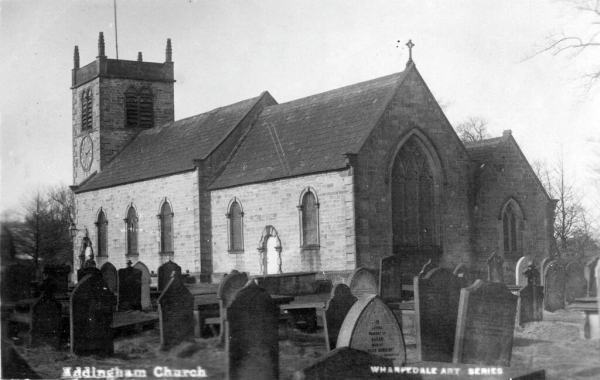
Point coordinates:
[(91, 317), (371, 326), (543, 265), (129, 289), (227, 289), (590, 276), (495, 268), (46, 320), (575, 283), (554, 286), (362, 282), (109, 274), (530, 305), (176, 314), (146, 302), (336, 309), (165, 273), (390, 279), (485, 326), (436, 309), (522, 264), (251, 335)]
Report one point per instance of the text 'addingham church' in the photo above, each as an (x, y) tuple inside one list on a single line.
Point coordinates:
[(326, 183)]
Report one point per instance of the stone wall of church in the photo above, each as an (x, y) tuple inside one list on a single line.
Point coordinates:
[(181, 190), (275, 204)]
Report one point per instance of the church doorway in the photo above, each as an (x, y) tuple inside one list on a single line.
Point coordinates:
[(269, 248)]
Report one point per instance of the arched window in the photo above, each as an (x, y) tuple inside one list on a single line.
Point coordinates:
[(86, 109), (309, 219), (512, 220), (236, 234), (138, 108), (131, 225), (166, 228), (102, 229)]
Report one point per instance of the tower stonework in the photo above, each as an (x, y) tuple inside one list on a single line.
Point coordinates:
[(113, 101)]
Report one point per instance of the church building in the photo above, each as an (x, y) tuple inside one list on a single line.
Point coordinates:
[(326, 183)]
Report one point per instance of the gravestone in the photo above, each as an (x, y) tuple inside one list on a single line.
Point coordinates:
[(251, 335), (589, 273), (486, 324), (371, 326), (176, 314), (227, 289), (91, 317), (165, 274), (344, 363), (530, 307), (575, 283), (436, 309), (336, 309), (543, 265), (429, 265), (89, 270), (146, 302), (464, 274), (554, 287), (46, 319), (58, 277), (390, 279), (362, 282), (109, 274), (495, 268), (522, 264), (129, 288)]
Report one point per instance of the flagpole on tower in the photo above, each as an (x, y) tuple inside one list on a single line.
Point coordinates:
[(116, 36)]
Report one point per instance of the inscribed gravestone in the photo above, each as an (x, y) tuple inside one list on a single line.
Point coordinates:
[(362, 282), (336, 309), (530, 304), (227, 289), (590, 277), (575, 283), (342, 364), (146, 302), (390, 279), (543, 265), (251, 335), (485, 326), (495, 268), (436, 309), (91, 316), (109, 274), (46, 320), (176, 313), (129, 288), (165, 272), (372, 327), (522, 264), (554, 286)]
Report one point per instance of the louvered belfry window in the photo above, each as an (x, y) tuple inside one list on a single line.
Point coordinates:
[(139, 108), (86, 109)]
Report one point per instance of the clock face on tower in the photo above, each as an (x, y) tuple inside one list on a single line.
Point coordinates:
[(86, 153)]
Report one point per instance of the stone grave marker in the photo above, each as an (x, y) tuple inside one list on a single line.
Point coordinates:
[(429, 265), (362, 282), (436, 310), (486, 324), (146, 302), (336, 309), (165, 274), (530, 307), (46, 319), (109, 274), (227, 289), (251, 335), (390, 279), (89, 270), (589, 273), (91, 317), (495, 268), (176, 314), (575, 283), (543, 266), (554, 286), (522, 264), (129, 288), (371, 326)]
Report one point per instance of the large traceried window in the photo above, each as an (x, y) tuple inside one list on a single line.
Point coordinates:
[(166, 228), (138, 108), (131, 224), (102, 233), (309, 219), (512, 221), (236, 233)]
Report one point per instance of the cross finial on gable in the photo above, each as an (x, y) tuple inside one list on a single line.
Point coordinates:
[(410, 46)]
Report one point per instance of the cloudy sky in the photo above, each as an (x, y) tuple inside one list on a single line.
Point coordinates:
[(470, 53)]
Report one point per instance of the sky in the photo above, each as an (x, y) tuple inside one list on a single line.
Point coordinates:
[(472, 54)]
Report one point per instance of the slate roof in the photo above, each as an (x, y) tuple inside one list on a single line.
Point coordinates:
[(311, 134), (170, 148)]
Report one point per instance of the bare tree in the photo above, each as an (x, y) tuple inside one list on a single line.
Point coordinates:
[(473, 129)]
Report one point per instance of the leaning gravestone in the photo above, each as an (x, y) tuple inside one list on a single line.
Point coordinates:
[(590, 277), (495, 268), (530, 305), (91, 317), (371, 326), (46, 320), (165, 272), (575, 283), (554, 287), (362, 282), (522, 264), (436, 308), (176, 314), (129, 289), (146, 302), (109, 274), (227, 289), (390, 279), (251, 335), (336, 309), (486, 324)]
